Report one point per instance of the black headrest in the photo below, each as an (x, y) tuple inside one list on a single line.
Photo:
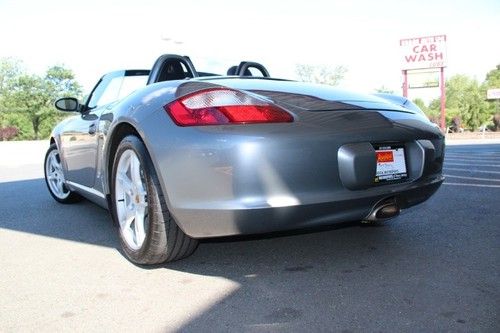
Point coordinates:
[(232, 71), (172, 70)]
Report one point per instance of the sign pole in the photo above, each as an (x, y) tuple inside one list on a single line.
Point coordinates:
[(405, 83), (443, 100)]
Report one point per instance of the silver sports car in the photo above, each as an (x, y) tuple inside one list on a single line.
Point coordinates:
[(177, 155)]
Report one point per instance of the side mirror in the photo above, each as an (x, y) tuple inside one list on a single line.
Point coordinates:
[(67, 104)]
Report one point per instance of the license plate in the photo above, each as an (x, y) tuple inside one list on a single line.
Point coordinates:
[(391, 164)]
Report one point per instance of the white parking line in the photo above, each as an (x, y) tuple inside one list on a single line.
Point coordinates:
[(472, 170), (465, 164), (486, 159), (477, 152), (473, 178), (472, 155), (479, 165), (472, 185)]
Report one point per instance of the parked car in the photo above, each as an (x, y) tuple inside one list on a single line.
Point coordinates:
[(179, 155)]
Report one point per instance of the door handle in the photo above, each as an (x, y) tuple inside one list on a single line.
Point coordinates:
[(92, 129)]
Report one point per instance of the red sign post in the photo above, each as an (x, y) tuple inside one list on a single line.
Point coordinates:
[(421, 53)]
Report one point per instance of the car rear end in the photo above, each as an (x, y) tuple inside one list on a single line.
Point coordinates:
[(334, 157)]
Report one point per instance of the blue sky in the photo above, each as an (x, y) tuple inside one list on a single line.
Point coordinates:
[(95, 36)]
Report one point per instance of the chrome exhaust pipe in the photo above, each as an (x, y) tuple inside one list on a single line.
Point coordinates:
[(383, 210)]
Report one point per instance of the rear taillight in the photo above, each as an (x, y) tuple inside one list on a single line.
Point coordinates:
[(221, 106)]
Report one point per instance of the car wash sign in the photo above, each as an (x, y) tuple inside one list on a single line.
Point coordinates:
[(423, 52)]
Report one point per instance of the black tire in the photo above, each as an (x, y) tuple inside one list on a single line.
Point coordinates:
[(62, 195), (164, 241)]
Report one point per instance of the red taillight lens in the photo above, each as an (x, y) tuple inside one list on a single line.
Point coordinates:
[(224, 106)]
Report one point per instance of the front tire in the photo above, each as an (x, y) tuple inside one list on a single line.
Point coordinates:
[(148, 233), (54, 177)]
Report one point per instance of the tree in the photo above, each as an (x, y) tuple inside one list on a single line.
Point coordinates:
[(421, 104), (465, 100), (493, 78), (61, 82), (321, 74), (430, 112), (9, 70), (30, 97)]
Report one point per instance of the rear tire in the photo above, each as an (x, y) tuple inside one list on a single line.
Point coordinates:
[(54, 178), (148, 233)]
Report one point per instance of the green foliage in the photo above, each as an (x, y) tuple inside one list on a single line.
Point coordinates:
[(19, 121), (432, 114), (421, 104), (26, 100), (50, 121), (10, 69), (465, 100), (493, 78), (434, 111), (463, 95), (321, 74), (61, 82)]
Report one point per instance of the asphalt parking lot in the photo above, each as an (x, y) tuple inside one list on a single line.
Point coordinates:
[(434, 268)]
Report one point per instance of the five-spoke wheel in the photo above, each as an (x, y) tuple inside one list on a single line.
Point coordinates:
[(54, 177), (148, 233), (131, 199)]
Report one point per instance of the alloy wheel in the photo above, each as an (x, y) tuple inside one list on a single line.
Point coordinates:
[(55, 175), (131, 199)]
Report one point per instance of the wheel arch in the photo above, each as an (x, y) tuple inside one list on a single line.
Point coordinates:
[(120, 131), (54, 140), (117, 133), (181, 244)]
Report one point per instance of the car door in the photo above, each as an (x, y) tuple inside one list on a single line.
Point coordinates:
[(80, 139)]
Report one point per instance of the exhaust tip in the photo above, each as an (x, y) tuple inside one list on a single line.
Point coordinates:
[(387, 211), (383, 210)]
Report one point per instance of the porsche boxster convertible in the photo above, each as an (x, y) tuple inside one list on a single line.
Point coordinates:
[(177, 155)]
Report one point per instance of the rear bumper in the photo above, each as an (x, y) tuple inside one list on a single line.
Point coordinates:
[(234, 180), (202, 223)]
